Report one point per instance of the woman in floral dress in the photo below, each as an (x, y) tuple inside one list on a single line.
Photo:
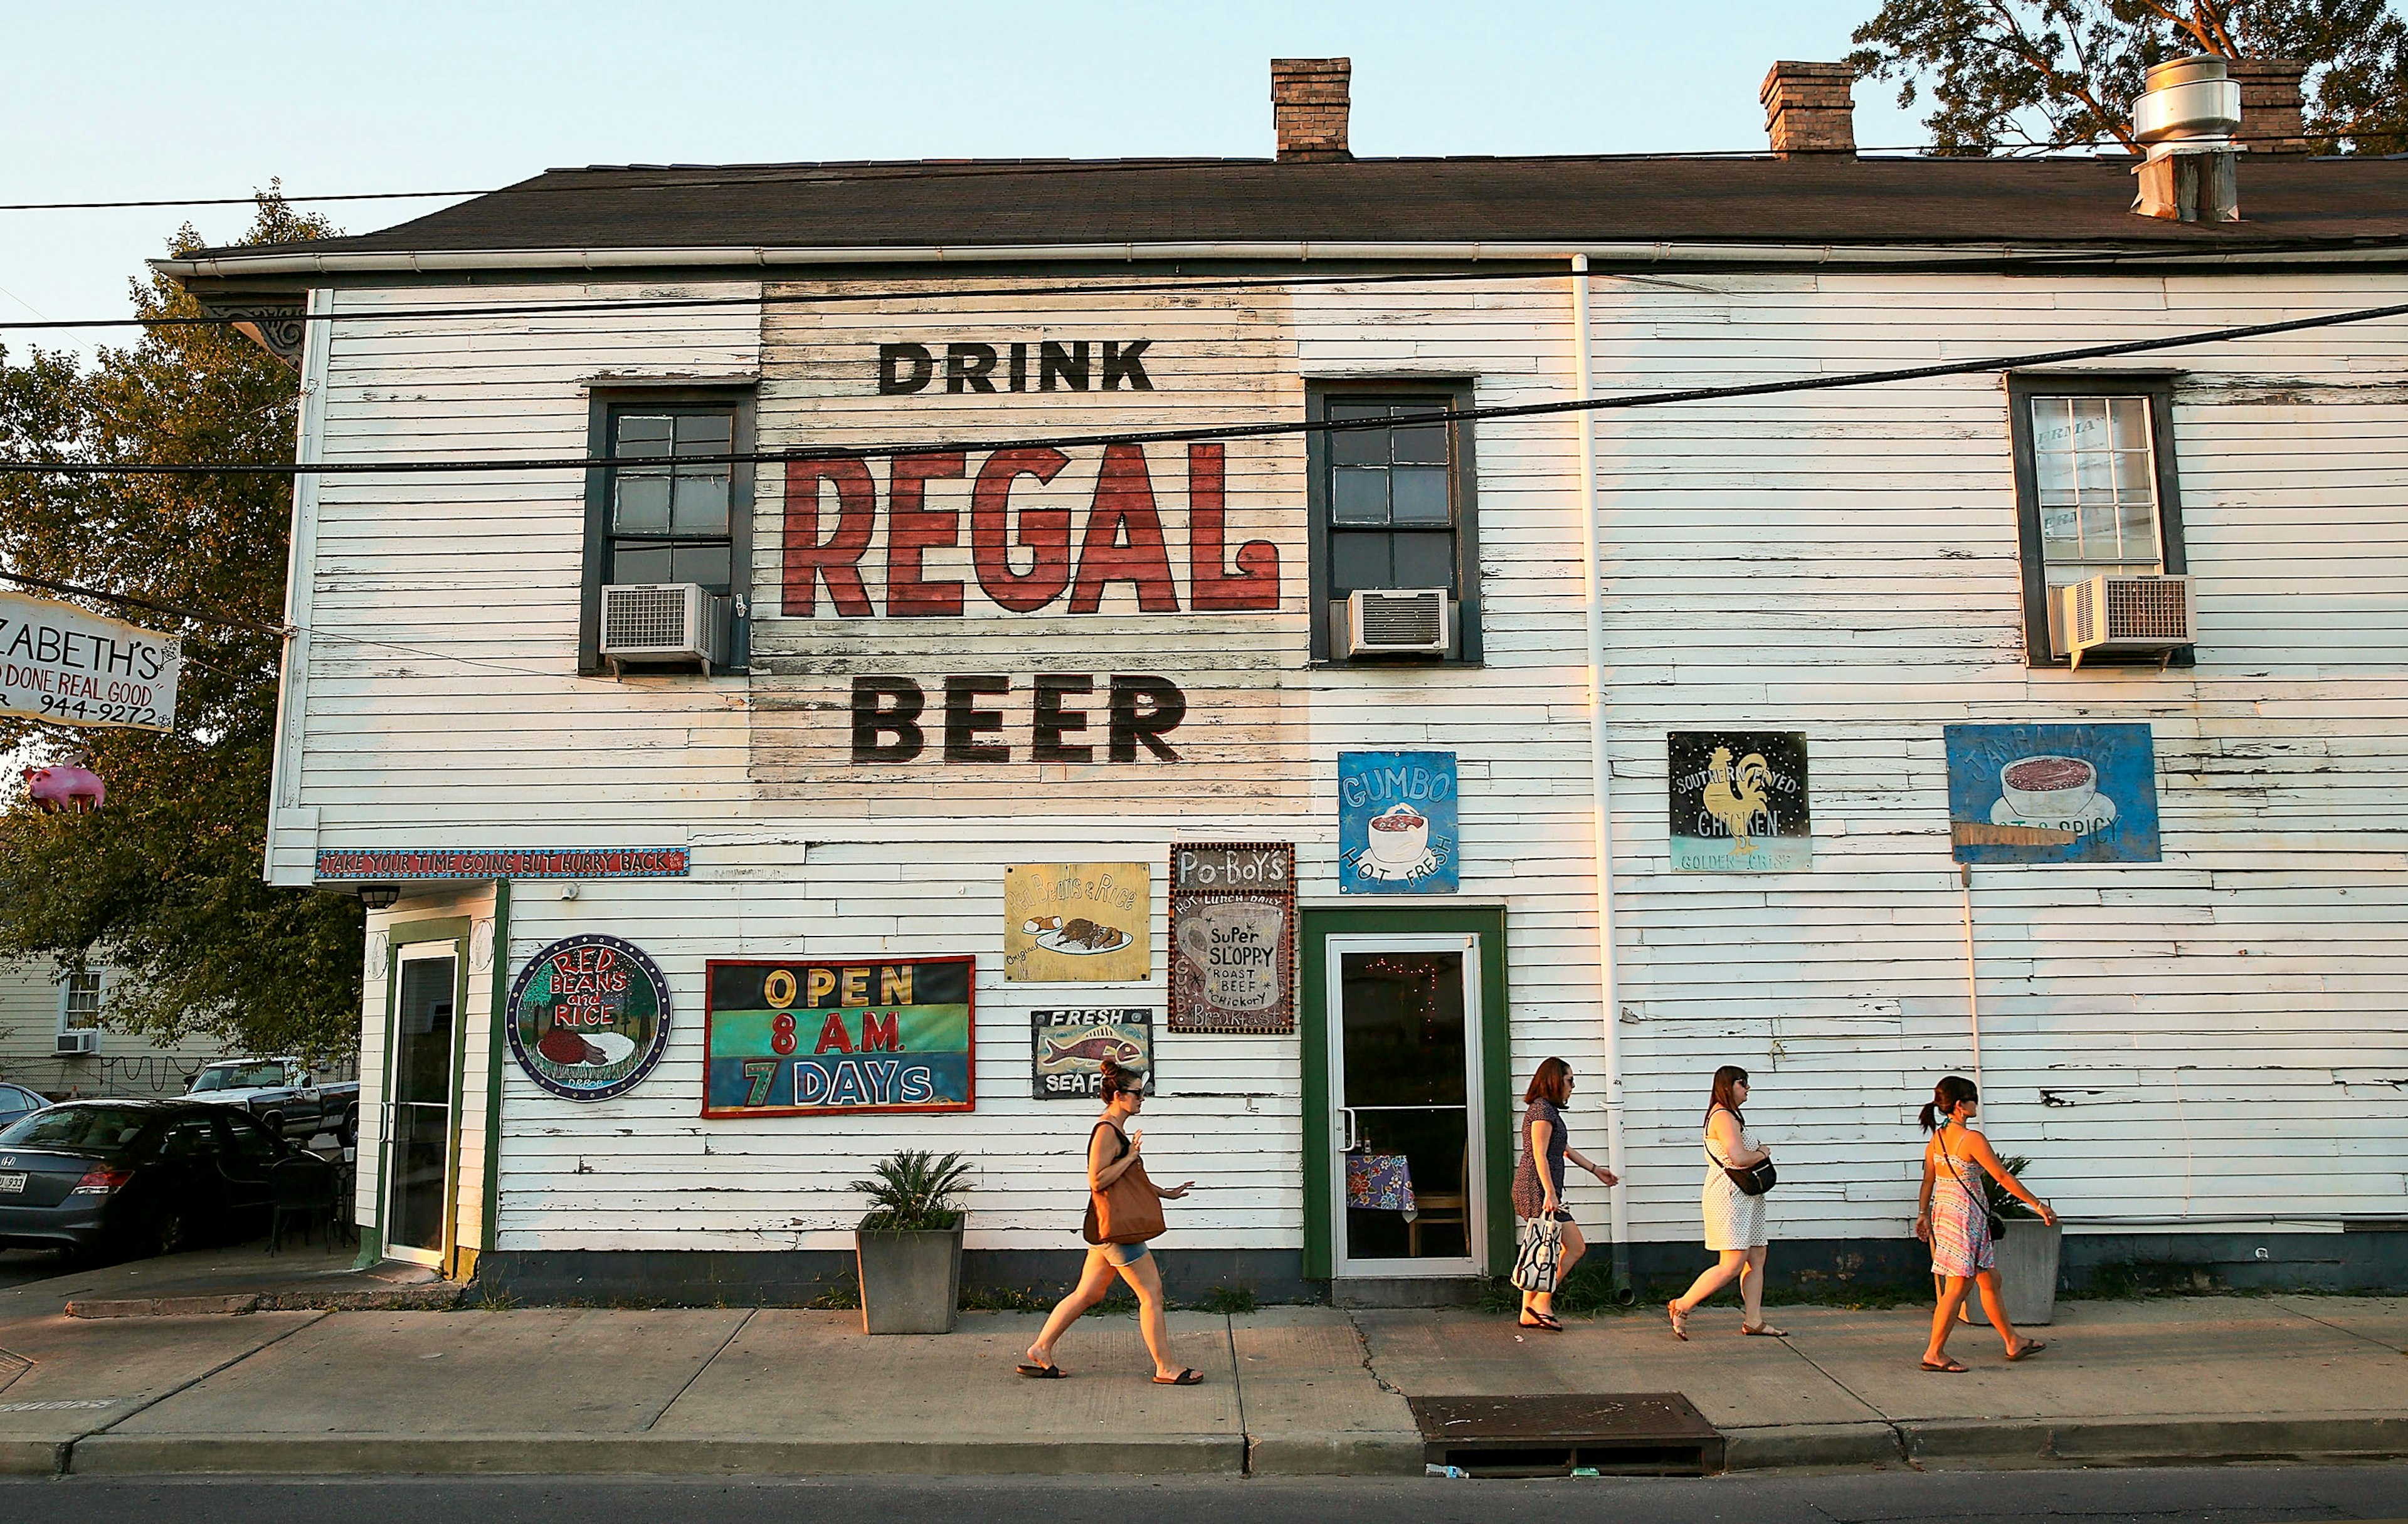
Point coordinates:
[(1953, 1217)]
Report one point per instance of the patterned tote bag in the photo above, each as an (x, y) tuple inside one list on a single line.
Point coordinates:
[(1540, 1251)]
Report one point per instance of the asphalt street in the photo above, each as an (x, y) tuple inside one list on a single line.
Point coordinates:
[(2228, 1495), (20, 1266)]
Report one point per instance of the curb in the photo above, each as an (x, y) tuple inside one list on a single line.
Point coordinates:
[(32, 1456), (1776, 1445), (2168, 1441), (644, 1455), (1342, 1454), (439, 1296), (162, 1306)]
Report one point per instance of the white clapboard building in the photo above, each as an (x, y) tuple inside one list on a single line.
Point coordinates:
[(1031, 614)]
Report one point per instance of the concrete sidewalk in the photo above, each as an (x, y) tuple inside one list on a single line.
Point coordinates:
[(1289, 1391)]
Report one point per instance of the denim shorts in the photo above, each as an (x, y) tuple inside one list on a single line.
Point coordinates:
[(1124, 1255)]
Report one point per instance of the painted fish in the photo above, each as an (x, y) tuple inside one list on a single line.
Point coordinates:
[(1102, 1046)]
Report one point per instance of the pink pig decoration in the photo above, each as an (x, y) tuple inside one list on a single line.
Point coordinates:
[(74, 790)]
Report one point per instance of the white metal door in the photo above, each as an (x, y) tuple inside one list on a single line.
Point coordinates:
[(417, 1142), (1405, 1105)]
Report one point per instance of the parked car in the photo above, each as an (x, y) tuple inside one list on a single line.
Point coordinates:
[(16, 1100), (136, 1177), (283, 1095)]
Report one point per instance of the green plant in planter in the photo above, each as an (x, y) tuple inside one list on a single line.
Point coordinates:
[(914, 1191), (1998, 1197)]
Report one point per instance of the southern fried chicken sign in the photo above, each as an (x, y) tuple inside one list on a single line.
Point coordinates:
[(1739, 801)]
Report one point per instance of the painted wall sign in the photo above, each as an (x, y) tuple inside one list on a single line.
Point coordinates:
[(1397, 823), (589, 1018), (1068, 1050), (1233, 938), (60, 663), (1017, 365), (2053, 793), (891, 720), (447, 863), (1121, 542), (1078, 923), (807, 1037), (1739, 801)]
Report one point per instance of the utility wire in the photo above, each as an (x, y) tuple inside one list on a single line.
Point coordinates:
[(843, 172), (1224, 431), (1520, 267)]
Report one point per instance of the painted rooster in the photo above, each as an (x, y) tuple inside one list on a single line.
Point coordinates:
[(1735, 795)]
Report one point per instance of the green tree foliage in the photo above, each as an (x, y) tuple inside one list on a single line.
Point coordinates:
[(164, 883), (2050, 73)]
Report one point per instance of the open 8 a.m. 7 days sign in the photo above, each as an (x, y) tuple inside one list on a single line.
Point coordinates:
[(589, 1017), (802, 1038)]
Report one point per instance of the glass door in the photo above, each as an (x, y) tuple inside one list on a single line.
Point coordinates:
[(1404, 1066), (418, 1104)]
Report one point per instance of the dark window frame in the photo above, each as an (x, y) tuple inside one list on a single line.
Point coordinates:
[(605, 406), (2159, 388), (1456, 393)]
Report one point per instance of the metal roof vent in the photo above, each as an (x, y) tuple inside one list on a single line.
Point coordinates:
[(2187, 117)]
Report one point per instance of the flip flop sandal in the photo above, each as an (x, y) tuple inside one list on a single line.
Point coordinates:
[(2029, 1348), (1041, 1372), (1547, 1321), (1764, 1330), (1946, 1367), (1184, 1378), (1680, 1322)]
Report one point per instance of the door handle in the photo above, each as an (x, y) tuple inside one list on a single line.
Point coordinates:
[(1347, 1139)]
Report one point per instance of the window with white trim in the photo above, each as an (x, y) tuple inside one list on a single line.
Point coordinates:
[(79, 1002)]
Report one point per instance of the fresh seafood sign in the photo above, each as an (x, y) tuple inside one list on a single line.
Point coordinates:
[(808, 1037), (1739, 801), (1069, 1047), (1078, 923), (2053, 793), (1397, 823), (589, 1018), (1233, 938)]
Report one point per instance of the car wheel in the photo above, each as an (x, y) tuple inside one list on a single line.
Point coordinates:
[(274, 1122), (168, 1234), (347, 1131)]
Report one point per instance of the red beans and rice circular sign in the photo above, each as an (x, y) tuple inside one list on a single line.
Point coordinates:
[(589, 1017)]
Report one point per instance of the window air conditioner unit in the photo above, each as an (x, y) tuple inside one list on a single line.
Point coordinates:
[(2119, 616), (664, 622), (79, 1040), (1400, 621)]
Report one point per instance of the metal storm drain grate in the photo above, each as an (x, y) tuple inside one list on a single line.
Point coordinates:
[(1629, 1433)]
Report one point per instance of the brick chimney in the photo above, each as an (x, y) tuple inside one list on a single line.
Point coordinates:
[(2271, 119), (1309, 99), (1810, 108)]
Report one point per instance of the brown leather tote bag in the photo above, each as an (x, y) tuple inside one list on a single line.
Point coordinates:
[(1129, 1210)]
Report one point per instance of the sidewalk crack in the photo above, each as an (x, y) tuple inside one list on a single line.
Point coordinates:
[(1363, 1342), (66, 1448), (1896, 1433), (1237, 1385), (2383, 1345), (741, 1324)]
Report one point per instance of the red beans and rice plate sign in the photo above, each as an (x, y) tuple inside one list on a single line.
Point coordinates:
[(589, 1017)]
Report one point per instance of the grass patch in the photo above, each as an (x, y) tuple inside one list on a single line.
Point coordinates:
[(489, 1300), (844, 1296), (1006, 1299), (1228, 1301)]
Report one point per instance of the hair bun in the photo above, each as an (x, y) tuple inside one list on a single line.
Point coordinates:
[(1116, 1077)]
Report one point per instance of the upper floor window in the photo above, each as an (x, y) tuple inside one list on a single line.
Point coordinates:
[(2096, 486), (667, 513), (1392, 504), (79, 1002)]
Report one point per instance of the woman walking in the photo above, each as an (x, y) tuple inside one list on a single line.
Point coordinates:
[(1952, 1216), (1734, 1220), (1538, 1179), (1113, 1154)]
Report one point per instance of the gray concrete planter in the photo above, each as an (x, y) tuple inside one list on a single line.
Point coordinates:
[(910, 1282), (2027, 1255)]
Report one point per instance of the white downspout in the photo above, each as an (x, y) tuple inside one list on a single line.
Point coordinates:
[(1972, 980), (1600, 771)]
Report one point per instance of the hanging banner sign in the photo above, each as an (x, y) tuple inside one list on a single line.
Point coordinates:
[(338, 864), (1397, 823), (1233, 938), (589, 1018), (2052, 793), (800, 1037), (1739, 801), (1068, 1050), (60, 663)]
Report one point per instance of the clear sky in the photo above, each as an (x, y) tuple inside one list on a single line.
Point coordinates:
[(122, 101)]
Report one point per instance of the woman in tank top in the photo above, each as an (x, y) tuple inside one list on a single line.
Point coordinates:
[(1953, 1217)]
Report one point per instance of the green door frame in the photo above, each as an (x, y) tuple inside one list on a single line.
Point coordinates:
[(1320, 1184), (419, 934)]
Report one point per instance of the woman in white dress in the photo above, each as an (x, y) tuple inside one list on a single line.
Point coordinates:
[(1734, 1220)]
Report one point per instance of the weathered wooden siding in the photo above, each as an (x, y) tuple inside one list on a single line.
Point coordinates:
[(30, 997), (1842, 564)]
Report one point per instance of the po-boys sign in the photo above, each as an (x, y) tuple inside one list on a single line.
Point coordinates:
[(1030, 551)]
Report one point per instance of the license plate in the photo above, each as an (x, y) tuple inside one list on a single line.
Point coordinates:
[(12, 1185)]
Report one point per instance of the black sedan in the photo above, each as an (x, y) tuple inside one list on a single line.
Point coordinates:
[(136, 1177)]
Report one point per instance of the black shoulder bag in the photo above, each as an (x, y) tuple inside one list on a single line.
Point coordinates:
[(1755, 1180)]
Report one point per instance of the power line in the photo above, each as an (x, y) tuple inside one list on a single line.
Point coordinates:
[(853, 172), (1224, 430)]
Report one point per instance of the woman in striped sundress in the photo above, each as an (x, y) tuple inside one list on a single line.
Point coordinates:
[(1953, 1217)]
